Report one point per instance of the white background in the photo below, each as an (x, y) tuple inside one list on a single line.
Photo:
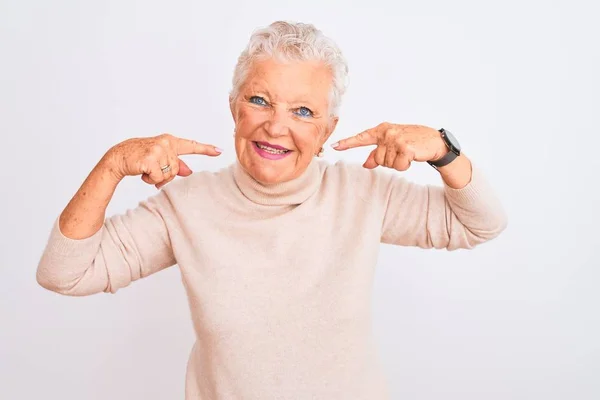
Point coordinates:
[(515, 81)]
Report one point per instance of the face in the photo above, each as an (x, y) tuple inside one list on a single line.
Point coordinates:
[(282, 118)]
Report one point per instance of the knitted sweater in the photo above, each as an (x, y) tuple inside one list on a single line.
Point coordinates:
[(278, 277)]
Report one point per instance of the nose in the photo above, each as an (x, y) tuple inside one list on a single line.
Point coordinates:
[(277, 125)]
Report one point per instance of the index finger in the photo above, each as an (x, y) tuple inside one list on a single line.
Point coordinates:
[(187, 146), (365, 138)]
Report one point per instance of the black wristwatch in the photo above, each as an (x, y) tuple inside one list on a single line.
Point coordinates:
[(453, 147)]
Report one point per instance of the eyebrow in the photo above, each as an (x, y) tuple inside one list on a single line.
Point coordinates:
[(304, 100), (258, 88), (301, 99)]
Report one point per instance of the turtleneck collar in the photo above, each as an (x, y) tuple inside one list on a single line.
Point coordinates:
[(292, 192)]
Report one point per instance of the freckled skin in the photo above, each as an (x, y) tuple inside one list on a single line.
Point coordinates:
[(86, 211), (280, 118)]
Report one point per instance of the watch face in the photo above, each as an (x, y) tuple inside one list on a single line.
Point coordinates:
[(452, 140)]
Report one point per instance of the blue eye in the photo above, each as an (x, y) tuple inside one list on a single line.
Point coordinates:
[(304, 112), (258, 100)]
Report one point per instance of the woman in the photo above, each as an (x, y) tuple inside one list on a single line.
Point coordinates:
[(277, 252)]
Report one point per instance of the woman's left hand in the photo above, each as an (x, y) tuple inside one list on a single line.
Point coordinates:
[(397, 145)]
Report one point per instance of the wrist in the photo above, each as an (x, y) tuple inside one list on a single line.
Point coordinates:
[(441, 152), (458, 173), (448, 149), (108, 168)]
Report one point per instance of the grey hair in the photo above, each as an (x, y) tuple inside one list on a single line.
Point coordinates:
[(287, 41)]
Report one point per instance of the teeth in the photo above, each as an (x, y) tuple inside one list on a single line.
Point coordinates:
[(270, 149)]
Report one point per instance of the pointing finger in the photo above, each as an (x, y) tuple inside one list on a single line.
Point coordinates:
[(365, 138), (186, 146)]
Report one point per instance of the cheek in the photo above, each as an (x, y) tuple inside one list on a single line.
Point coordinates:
[(248, 121), (307, 139)]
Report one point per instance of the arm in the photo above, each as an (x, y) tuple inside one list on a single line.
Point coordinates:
[(87, 253), (458, 173), (461, 213)]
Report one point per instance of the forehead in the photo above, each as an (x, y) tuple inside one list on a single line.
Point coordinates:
[(288, 81)]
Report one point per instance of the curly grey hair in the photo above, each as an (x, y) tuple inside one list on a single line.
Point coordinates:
[(287, 41)]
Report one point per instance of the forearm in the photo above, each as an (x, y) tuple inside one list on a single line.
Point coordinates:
[(472, 199), (85, 213), (473, 202), (463, 214), (458, 173)]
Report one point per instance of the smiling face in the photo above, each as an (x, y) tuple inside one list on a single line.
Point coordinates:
[(282, 118)]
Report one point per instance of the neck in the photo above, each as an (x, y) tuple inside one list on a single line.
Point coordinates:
[(292, 192)]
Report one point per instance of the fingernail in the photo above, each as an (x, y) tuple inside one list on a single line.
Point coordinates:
[(335, 145), (218, 150)]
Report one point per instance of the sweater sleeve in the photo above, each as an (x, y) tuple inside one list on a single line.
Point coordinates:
[(439, 217), (127, 247)]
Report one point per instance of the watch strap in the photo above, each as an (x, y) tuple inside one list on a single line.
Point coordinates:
[(447, 159)]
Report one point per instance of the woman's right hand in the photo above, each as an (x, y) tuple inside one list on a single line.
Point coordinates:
[(149, 157)]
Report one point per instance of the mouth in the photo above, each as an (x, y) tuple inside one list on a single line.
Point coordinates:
[(271, 148), (270, 151)]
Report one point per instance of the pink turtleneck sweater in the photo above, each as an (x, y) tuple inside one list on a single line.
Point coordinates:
[(278, 278)]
